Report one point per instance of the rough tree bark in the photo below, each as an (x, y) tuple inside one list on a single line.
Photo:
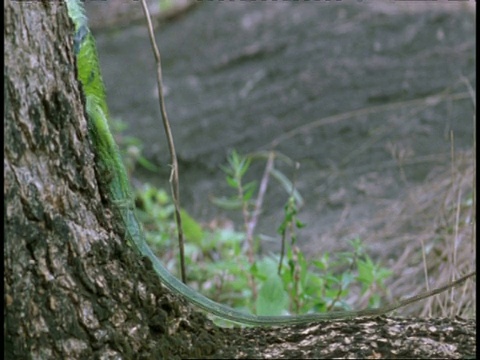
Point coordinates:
[(74, 289)]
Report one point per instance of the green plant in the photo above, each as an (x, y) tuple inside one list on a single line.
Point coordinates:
[(297, 287), (155, 210), (219, 266), (131, 148)]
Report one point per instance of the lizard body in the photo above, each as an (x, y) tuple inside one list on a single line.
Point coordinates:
[(117, 187)]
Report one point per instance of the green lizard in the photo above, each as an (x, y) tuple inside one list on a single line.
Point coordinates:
[(118, 190)]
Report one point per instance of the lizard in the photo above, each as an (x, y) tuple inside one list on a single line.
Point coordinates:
[(118, 191)]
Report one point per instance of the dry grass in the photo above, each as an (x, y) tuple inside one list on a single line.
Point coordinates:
[(426, 238), (444, 247)]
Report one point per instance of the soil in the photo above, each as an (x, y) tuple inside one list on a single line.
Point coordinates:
[(371, 99)]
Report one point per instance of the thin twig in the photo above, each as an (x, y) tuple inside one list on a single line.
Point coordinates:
[(282, 252), (252, 223), (457, 212), (427, 101), (340, 290), (174, 180), (249, 242), (288, 209), (471, 91)]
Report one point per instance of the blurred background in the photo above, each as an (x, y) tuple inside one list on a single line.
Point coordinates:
[(374, 100)]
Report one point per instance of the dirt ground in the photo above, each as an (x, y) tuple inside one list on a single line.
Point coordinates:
[(374, 102)]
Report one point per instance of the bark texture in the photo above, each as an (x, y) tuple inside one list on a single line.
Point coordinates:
[(73, 289)]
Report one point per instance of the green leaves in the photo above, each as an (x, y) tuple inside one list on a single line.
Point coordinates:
[(219, 267), (288, 186), (191, 229), (237, 167), (235, 171), (272, 298)]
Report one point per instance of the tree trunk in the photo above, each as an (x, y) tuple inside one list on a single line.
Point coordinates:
[(73, 289)]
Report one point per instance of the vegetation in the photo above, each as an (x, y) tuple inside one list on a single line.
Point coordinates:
[(223, 263)]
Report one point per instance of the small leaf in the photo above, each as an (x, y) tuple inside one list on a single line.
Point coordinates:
[(191, 229), (243, 166), (227, 203), (147, 164), (249, 189), (272, 298), (287, 185), (300, 224), (232, 182), (365, 272)]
